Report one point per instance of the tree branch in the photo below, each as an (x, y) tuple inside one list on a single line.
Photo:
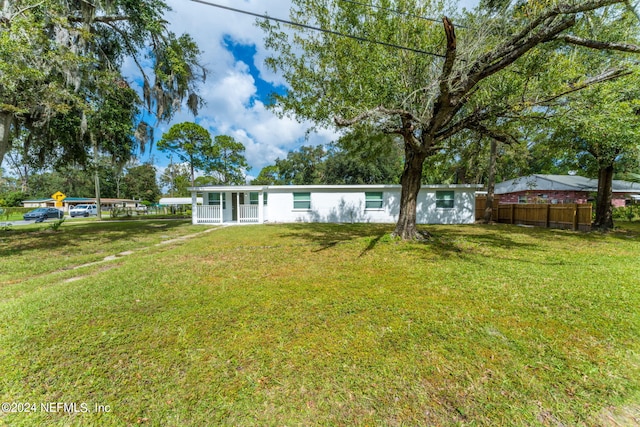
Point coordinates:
[(587, 5), (466, 123), (443, 103), (132, 51), (610, 74), (529, 37), (473, 120), (505, 138), (510, 53), (594, 44), (450, 57), (101, 19), (21, 11), (341, 122)]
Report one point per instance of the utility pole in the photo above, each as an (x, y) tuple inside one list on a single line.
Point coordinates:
[(96, 175), (171, 172)]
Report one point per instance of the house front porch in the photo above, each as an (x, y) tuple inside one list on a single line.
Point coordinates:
[(230, 205)]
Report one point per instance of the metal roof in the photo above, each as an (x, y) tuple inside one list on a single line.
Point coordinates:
[(77, 199), (561, 183), (177, 201)]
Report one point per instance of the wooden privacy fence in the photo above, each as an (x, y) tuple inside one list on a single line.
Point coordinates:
[(570, 216)]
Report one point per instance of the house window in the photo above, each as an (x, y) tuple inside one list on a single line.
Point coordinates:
[(444, 199), (522, 199), (214, 199), (264, 198), (253, 198), (373, 200), (301, 200)]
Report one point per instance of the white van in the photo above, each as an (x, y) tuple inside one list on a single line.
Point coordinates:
[(83, 210)]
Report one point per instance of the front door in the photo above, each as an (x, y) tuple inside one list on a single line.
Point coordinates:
[(234, 206), (235, 197)]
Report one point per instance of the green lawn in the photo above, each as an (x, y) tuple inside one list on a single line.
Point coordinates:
[(315, 324)]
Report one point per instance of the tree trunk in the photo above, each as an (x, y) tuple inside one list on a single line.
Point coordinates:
[(604, 210), (193, 172), (5, 134), (96, 176), (118, 167), (491, 182), (22, 170), (173, 180), (24, 180), (410, 180)]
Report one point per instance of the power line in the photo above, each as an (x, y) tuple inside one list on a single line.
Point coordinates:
[(309, 27)]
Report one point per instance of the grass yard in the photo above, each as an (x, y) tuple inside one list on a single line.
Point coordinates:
[(316, 324)]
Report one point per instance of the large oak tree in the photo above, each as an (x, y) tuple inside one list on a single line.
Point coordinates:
[(428, 82)]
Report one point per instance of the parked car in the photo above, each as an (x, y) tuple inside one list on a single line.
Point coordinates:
[(83, 210), (43, 213)]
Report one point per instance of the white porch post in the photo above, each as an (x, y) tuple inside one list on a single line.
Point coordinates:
[(238, 208), (260, 207), (223, 202), (194, 207)]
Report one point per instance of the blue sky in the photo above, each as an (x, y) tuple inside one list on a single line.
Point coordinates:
[(238, 85)]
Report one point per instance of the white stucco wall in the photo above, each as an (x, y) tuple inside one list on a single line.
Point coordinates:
[(347, 204)]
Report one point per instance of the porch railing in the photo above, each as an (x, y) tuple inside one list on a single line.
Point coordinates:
[(249, 213), (208, 214)]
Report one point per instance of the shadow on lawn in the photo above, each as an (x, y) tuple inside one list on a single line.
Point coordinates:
[(446, 241), (461, 241), (329, 235), (75, 235)]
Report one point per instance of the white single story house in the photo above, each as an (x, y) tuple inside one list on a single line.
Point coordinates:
[(437, 204)]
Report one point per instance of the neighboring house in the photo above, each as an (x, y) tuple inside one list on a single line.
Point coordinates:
[(437, 204), (69, 202), (562, 189), (39, 203)]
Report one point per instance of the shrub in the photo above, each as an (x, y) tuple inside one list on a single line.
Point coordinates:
[(628, 213), (55, 226), (12, 212)]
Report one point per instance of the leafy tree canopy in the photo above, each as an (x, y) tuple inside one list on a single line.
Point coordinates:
[(140, 183), (192, 144), (229, 164), (65, 58), (370, 161), (176, 180), (443, 80)]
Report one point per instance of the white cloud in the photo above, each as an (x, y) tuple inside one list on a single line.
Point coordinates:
[(232, 105), (230, 92)]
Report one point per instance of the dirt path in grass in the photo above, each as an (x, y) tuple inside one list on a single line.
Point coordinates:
[(120, 255), (626, 416)]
